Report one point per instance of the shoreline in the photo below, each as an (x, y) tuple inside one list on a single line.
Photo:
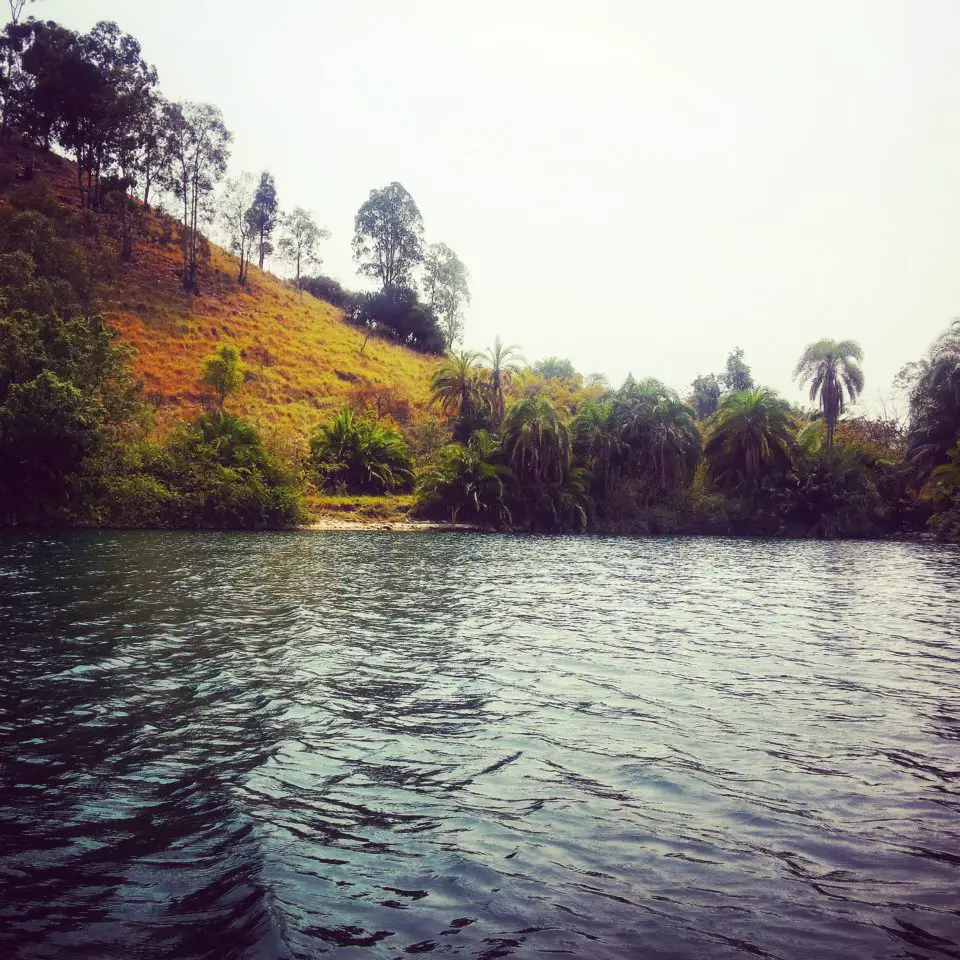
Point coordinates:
[(403, 526)]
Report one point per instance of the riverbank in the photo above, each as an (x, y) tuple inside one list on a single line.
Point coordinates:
[(405, 526)]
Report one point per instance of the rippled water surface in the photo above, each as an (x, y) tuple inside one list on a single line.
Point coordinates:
[(379, 745)]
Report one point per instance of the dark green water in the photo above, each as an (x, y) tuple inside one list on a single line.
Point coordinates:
[(381, 745)]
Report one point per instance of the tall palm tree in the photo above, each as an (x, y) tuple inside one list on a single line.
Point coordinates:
[(829, 366), (536, 442), (751, 431), (456, 383), (504, 361)]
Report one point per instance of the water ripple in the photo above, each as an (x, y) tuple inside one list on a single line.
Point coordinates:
[(376, 745)]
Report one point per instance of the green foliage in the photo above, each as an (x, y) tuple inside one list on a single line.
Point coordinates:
[(358, 456), (299, 239), (658, 437), (388, 237), (556, 368), (466, 483), (706, 395), (264, 214), (536, 442), (935, 405), (945, 493), (459, 391), (839, 494), (224, 372), (222, 477), (65, 390), (397, 314), (446, 288), (751, 435), (504, 361)]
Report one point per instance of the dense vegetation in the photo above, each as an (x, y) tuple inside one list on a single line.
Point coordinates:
[(502, 443)]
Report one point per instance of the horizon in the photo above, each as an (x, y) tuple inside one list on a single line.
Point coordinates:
[(667, 204)]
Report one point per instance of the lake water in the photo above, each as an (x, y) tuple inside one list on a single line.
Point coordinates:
[(379, 745)]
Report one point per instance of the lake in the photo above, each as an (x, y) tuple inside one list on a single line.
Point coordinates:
[(380, 745)]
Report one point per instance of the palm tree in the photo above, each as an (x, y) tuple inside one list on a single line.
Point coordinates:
[(504, 361), (935, 404), (596, 442), (658, 433), (456, 384), (829, 366), (360, 456), (466, 479), (751, 430), (536, 442)]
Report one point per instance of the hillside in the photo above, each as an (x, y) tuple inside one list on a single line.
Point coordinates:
[(303, 360)]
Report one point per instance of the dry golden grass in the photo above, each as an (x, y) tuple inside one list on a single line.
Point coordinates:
[(303, 360), (394, 507)]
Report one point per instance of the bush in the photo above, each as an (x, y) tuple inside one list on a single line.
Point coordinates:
[(465, 483), (397, 314), (223, 478), (357, 456), (330, 291)]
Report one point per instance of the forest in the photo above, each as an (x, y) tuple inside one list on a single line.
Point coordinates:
[(502, 444)]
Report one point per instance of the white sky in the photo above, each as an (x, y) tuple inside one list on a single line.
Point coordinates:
[(637, 185)]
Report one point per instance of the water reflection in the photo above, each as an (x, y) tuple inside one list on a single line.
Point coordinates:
[(373, 745)]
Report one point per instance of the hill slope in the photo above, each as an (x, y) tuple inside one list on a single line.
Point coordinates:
[(303, 359)]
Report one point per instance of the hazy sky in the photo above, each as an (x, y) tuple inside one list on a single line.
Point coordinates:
[(639, 185)]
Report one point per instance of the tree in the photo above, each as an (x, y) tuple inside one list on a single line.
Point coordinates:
[(706, 395), (536, 442), (556, 368), (456, 385), (224, 372), (658, 437), (298, 242), (751, 431), (65, 394), (360, 456), (597, 443), (264, 214), (235, 201), (388, 237), (737, 375), (10, 69), (504, 361), (398, 313), (447, 291), (934, 385), (831, 368), (467, 480), (154, 159), (198, 143)]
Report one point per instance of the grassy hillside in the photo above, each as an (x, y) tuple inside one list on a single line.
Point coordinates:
[(303, 360)]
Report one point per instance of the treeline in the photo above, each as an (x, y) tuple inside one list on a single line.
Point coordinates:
[(508, 445), (552, 453), (94, 97)]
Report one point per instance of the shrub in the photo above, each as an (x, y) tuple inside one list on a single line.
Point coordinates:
[(330, 291), (357, 456), (398, 314), (466, 483)]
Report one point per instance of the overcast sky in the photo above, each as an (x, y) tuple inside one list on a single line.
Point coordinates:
[(636, 185)]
